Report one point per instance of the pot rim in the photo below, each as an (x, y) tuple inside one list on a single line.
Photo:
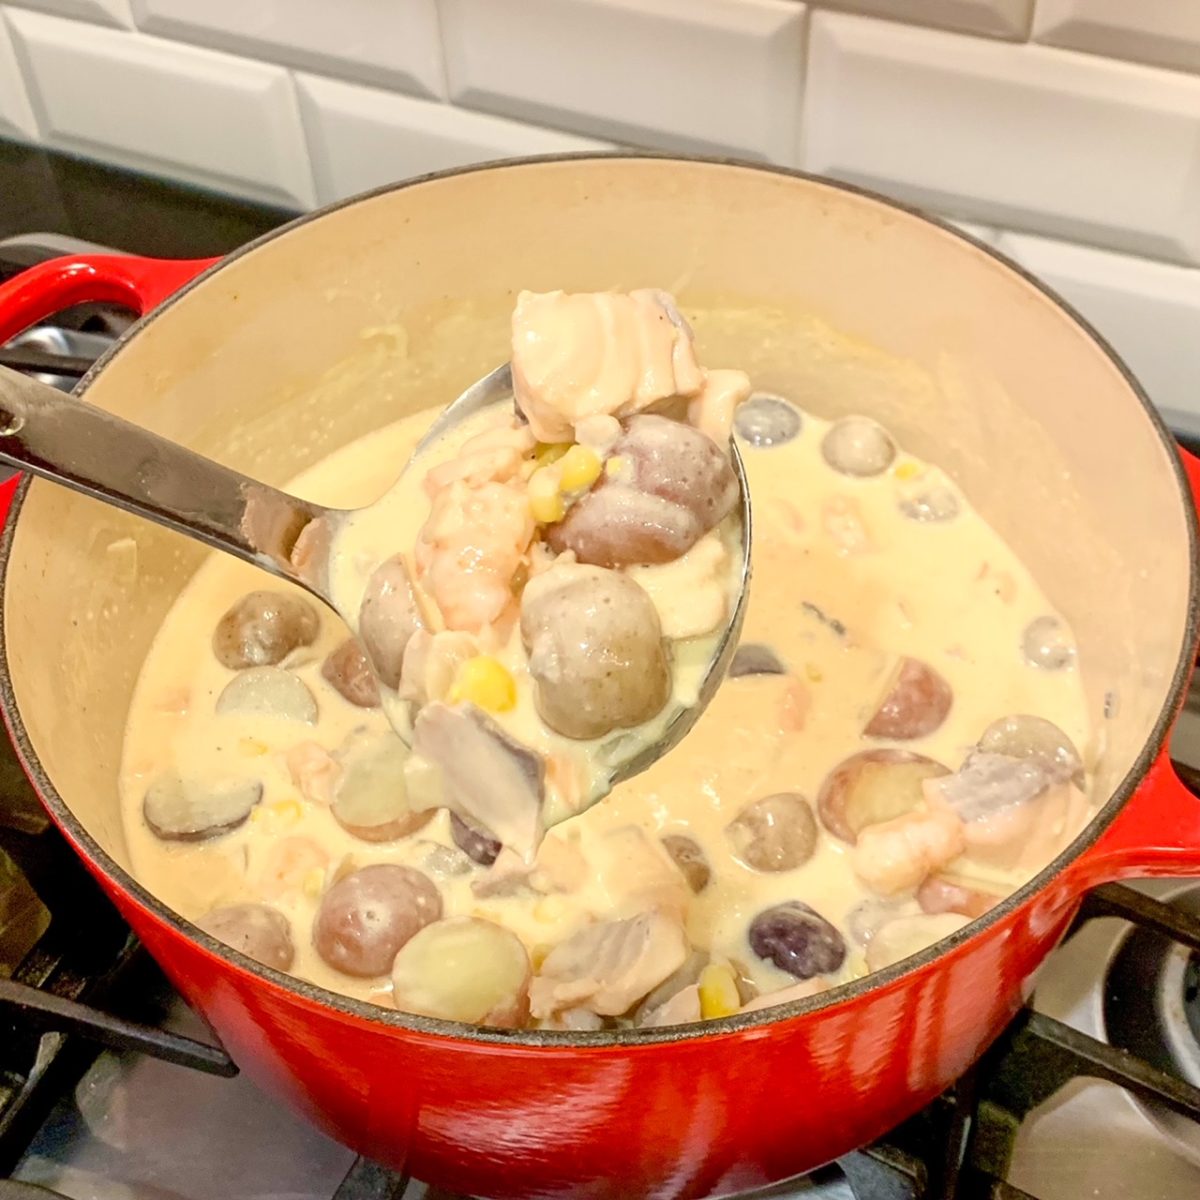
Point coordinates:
[(762, 1019)]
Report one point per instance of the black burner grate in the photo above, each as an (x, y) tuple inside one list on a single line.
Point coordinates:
[(82, 955)]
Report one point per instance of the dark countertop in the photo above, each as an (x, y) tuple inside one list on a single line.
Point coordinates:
[(47, 192)]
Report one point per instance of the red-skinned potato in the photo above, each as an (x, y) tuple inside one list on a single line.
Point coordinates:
[(774, 833), (269, 692), (366, 917), (346, 670), (370, 799), (388, 618), (195, 809), (263, 628), (464, 969), (596, 651), (753, 658), (477, 844), (259, 931), (871, 787), (687, 855), (681, 465), (668, 484), (858, 446), (1035, 738), (915, 702), (1047, 644)]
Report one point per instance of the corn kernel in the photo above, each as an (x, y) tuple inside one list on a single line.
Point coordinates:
[(550, 452), (614, 466), (314, 883), (579, 469), (538, 955), (252, 747), (257, 814), (287, 810), (545, 503), (814, 673), (485, 682), (907, 470), (547, 511), (718, 992)]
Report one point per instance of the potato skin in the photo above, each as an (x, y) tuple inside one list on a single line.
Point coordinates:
[(368, 915), (915, 704), (347, 671), (596, 651), (259, 931), (263, 628), (673, 485)]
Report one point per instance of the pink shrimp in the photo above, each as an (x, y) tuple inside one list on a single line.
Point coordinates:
[(562, 777), (896, 855), (287, 864), (314, 771), (492, 456), (470, 549), (795, 707)]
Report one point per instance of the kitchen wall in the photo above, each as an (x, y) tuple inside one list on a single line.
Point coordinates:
[(1067, 132)]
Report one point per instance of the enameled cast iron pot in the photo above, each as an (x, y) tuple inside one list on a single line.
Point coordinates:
[(353, 316)]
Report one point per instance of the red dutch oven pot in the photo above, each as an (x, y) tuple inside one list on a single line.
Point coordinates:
[(353, 316)]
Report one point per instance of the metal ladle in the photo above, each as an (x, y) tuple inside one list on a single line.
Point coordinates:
[(94, 452)]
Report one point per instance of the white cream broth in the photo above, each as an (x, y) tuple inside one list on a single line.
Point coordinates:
[(844, 583)]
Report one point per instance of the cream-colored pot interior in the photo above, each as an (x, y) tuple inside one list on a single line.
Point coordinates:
[(395, 302)]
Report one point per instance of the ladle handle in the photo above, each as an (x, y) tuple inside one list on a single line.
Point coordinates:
[(99, 454)]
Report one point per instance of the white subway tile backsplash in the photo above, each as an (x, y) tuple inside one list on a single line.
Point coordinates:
[(360, 138), (207, 118), (1021, 136), (103, 12), (1164, 32), (16, 114), (995, 18), (1148, 311), (674, 74), (391, 42)]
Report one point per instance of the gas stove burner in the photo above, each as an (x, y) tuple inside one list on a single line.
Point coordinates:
[(1151, 1008)]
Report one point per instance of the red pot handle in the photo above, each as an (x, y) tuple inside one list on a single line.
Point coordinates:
[(135, 283), (41, 291), (1158, 831)]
